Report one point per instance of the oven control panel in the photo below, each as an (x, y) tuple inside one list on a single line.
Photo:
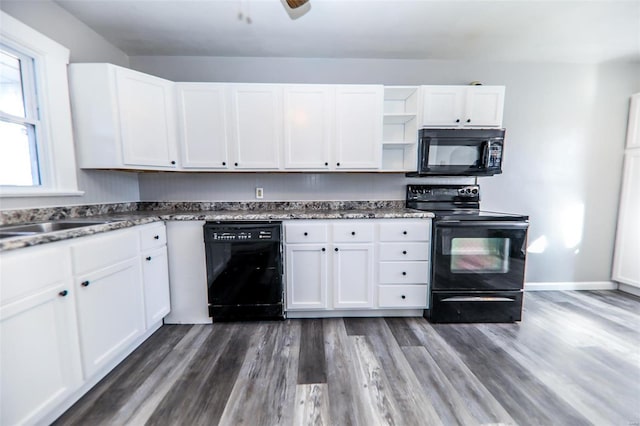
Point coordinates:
[(443, 193)]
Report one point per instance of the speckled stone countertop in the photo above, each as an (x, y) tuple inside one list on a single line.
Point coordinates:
[(188, 211)]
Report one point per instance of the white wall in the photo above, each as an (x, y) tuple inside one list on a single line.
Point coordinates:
[(85, 45), (565, 136)]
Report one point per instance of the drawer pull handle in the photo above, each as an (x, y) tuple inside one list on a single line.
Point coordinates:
[(306, 233), (63, 293), (404, 273), (85, 283), (224, 163), (403, 296), (404, 252), (156, 237), (353, 232), (404, 232), (336, 249), (148, 258), (324, 249)]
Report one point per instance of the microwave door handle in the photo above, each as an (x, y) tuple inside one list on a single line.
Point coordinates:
[(485, 154)]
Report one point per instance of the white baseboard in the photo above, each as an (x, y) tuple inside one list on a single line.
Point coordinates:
[(629, 289), (571, 285)]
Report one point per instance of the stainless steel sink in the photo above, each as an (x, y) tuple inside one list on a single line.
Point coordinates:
[(29, 229)]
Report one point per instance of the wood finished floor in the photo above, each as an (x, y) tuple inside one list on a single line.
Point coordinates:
[(573, 360)]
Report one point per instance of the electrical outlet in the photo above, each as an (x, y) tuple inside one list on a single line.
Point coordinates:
[(259, 193)]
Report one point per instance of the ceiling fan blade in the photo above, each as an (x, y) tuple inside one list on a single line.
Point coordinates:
[(294, 4)]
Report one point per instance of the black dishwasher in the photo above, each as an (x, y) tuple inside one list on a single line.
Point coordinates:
[(244, 270)]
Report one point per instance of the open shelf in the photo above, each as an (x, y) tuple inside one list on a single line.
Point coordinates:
[(400, 128)]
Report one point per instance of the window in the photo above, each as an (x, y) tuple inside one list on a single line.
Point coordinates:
[(19, 124), (37, 155)]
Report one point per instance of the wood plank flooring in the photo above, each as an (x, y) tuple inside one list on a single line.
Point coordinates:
[(573, 360)]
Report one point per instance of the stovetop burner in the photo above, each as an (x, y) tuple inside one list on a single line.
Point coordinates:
[(453, 202)]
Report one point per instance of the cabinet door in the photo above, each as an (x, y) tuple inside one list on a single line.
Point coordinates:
[(484, 106), (306, 266), (110, 312), (353, 276), (39, 354), (155, 274), (442, 106), (256, 126), (358, 140), (307, 126), (147, 120), (202, 118), (626, 268)]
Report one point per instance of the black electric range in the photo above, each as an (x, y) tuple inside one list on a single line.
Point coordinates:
[(478, 257)]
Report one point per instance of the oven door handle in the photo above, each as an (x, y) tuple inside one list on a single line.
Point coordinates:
[(478, 299), (487, 224)]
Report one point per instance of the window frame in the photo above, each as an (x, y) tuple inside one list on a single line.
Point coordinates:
[(56, 154), (31, 106)]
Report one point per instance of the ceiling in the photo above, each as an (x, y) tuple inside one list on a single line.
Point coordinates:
[(514, 30)]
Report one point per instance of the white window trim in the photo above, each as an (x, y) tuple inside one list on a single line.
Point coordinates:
[(57, 159)]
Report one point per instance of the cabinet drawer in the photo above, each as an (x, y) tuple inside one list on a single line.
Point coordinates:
[(305, 232), (352, 231), (152, 236), (404, 230), (404, 251), (402, 296), (404, 272), (27, 270), (100, 251)]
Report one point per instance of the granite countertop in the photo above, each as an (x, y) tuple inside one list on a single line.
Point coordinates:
[(133, 218)]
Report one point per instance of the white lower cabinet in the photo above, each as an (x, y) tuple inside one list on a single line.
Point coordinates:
[(306, 273), (39, 352), (155, 273), (333, 272), (342, 265), (110, 313), (353, 276), (67, 321), (404, 267)]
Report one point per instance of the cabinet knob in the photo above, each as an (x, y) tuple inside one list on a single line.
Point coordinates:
[(63, 293), (403, 296), (306, 233), (468, 120), (224, 163), (235, 164), (85, 283), (353, 232), (173, 162), (324, 249), (404, 232), (458, 120), (336, 249), (326, 163), (148, 258), (404, 273), (337, 164), (404, 252), (156, 237)]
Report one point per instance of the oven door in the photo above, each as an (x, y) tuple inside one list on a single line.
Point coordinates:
[(479, 255)]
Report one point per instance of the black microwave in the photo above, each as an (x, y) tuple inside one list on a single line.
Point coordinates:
[(459, 152)]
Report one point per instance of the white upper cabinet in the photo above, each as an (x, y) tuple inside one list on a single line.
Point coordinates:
[(203, 125), (308, 125), (462, 106), (122, 118), (358, 134), (256, 125)]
